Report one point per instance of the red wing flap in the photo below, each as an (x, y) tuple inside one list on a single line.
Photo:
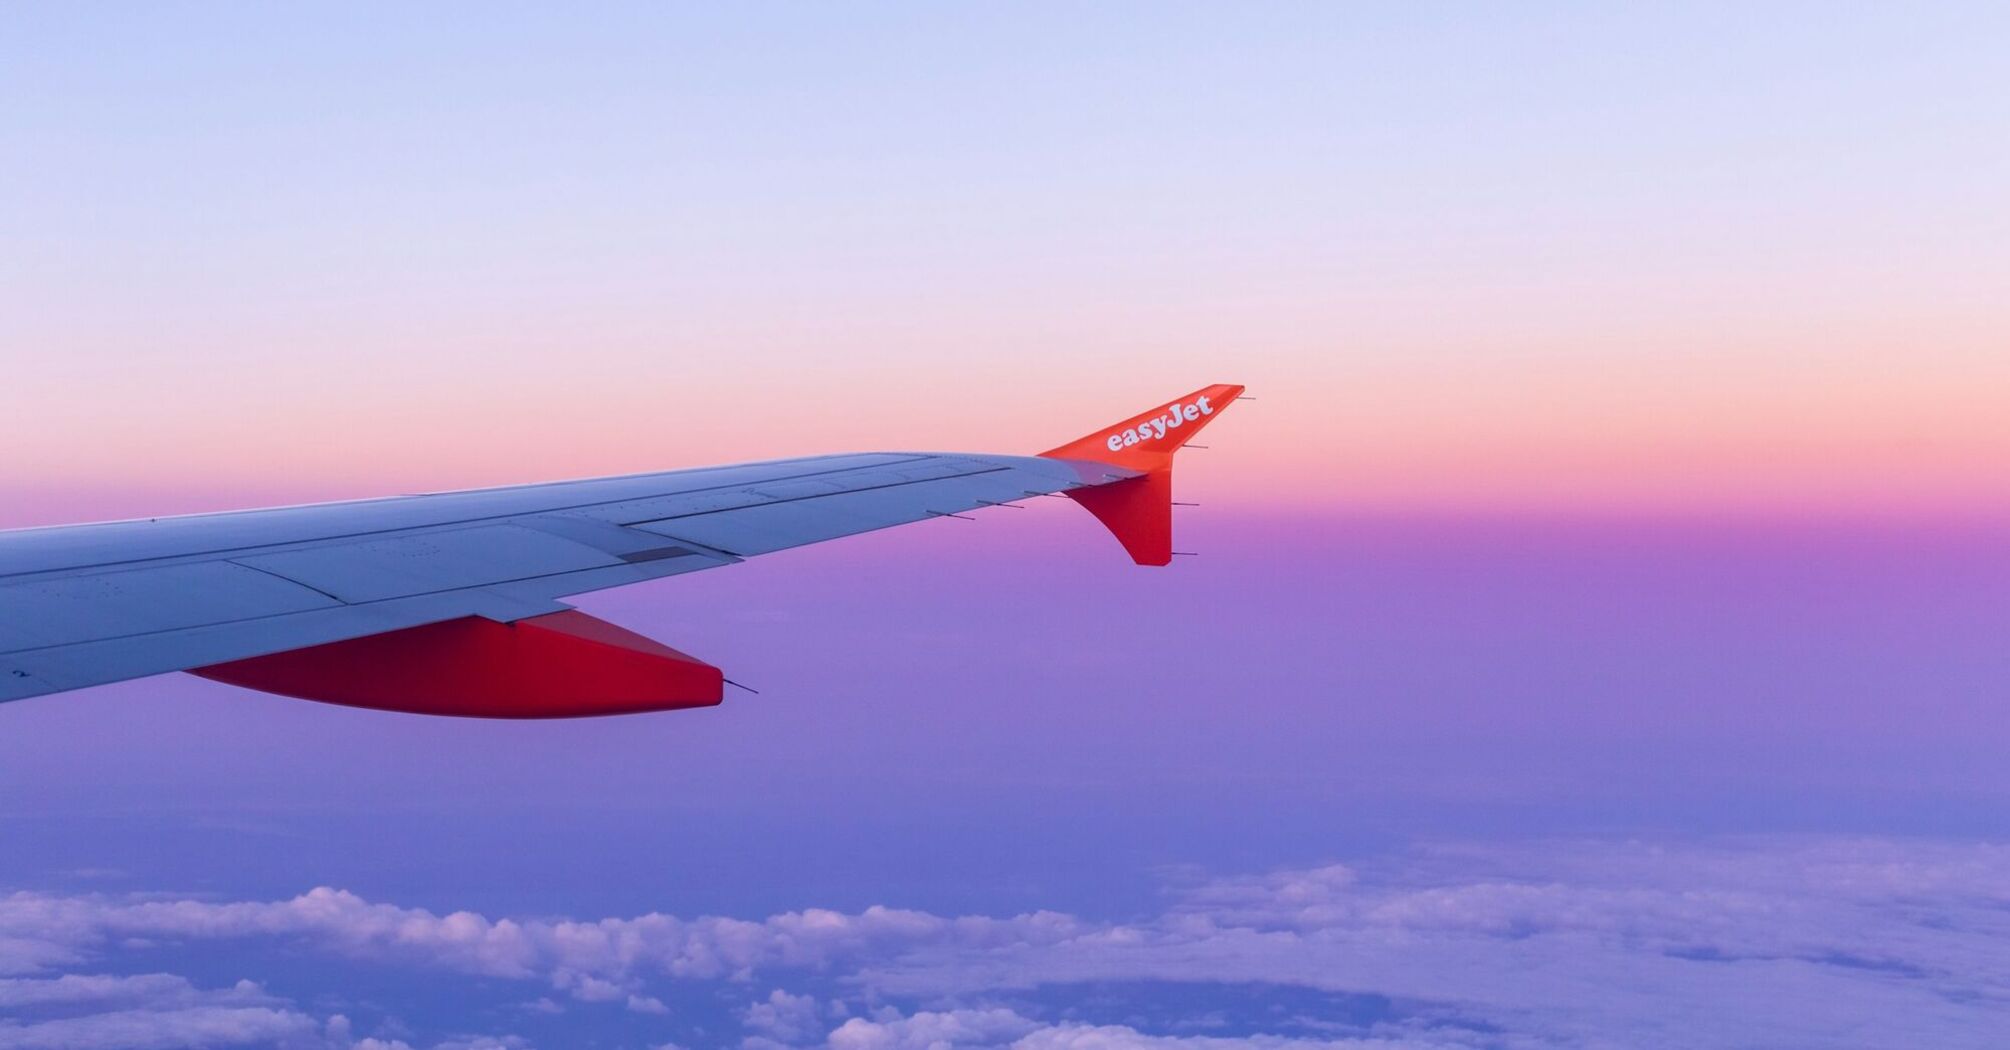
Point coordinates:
[(561, 665)]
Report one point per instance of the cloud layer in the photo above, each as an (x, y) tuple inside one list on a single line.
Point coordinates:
[(1733, 943)]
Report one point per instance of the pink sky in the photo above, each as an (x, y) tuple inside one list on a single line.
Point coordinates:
[(1729, 426), (1465, 263)]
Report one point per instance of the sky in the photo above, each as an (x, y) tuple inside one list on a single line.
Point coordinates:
[(1596, 639)]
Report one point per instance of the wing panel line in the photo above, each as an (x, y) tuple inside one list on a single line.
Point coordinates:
[(455, 523)]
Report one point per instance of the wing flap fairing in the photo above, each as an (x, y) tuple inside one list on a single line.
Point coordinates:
[(560, 665)]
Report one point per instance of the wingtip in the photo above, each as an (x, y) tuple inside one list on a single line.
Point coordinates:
[(1148, 440), (1138, 509)]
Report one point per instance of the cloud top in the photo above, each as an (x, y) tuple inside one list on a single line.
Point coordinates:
[(1807, 941)]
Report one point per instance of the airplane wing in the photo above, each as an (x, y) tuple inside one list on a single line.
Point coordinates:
[(449, 603)]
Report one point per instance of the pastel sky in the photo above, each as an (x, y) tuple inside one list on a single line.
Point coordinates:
[(1714, 255), (1597, 638)]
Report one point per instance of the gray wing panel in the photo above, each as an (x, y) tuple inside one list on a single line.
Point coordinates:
[(955, 487), (37, 671), (443, 560), (95, 661), (102, 603), (68, 547), (53, 611)]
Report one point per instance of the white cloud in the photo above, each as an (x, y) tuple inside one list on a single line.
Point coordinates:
[(480, 1042), (932, 1030), (582, 956), (1003, 1029), (1803, 942), (181, 1028), (148, 1011), (142, 1011), (485, 1042), (1806, 943), (784, 1018), (154, 989), (1120, 1037)]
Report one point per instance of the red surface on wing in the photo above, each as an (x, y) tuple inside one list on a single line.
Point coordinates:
[(1138, 511), (562, 665), (1148, 440)]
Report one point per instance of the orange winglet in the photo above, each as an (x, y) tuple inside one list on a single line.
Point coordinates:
[(1138, 511), (1148, 440)]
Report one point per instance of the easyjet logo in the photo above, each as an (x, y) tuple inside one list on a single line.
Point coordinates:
[(1174, 417)]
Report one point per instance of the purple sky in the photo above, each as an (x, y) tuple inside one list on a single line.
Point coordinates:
[(998, 718)]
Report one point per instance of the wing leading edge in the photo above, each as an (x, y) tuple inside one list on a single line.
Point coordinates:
[(448, 603)]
